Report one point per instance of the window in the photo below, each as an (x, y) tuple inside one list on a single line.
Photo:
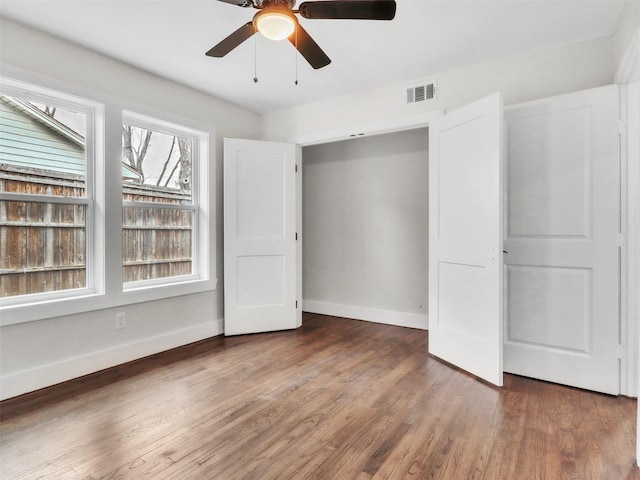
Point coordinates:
[(80, 234), (161, 202), (47, 201)]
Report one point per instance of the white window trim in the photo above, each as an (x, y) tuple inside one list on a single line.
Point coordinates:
[(93, 200), (108, 282), (199, 268), (205, 187)]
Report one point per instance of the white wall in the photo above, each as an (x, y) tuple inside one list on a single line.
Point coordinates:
[(627, 26), (365, 228), (44, 352), (521, 78)]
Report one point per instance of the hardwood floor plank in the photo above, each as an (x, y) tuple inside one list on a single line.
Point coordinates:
[(336, 399)]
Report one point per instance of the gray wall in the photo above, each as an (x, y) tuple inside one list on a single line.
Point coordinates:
[(365, 224), (628, 25)]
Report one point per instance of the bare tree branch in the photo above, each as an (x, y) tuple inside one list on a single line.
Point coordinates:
[(127, 148), (175, 167), (136, 144), (166, 163), (135, 154), (144, 146)]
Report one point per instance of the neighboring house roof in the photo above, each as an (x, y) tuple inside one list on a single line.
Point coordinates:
[(129, 173), (32, 139)]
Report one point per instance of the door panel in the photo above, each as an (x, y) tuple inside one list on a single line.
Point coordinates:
[(562, 267), (465, 238), (260, 195), (549, 165), (260, 264), (567, 295)]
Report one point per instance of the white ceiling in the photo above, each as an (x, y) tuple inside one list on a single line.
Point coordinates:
[(169, 38)]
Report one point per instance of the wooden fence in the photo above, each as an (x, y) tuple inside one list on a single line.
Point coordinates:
[(156, 242), (43, 245)]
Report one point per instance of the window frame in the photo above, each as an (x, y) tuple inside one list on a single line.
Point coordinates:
[(108, 292), (198, 269), (94, 248)]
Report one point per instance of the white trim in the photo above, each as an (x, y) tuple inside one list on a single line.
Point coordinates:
[(628, 384), (629, 73), (94, 198), (202, 247), (629, 276), (159, 125), (391, 125), (366, 129), (299, 236), (633, 225), (45, 309), (198, 271), (54, 373), (388, 317)]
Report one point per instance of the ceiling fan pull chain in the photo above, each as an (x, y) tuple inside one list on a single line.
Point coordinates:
[(255, 59), (296, 54)]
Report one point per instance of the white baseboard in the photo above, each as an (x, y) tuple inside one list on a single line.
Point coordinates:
[(388, 317), (51, 374)]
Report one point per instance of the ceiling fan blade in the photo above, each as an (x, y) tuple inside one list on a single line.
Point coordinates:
[(240, 3), (349, 9), (308, 48), (232, 41)]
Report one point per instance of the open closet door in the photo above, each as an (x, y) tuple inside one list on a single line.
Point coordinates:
[(465, 238), (562, 316), (260, 264)]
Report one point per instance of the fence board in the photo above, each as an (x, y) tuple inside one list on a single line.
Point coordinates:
[(43, 245)]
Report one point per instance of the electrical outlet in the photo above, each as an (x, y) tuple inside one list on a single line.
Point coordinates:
[(121, 320)]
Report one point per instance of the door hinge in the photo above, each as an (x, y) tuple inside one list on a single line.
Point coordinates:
[(296, 304), (296, 168), (622, 127), (622, 240), (296, 236), (622, 352)]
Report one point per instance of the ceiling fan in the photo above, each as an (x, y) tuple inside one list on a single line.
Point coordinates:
[(277, 20)]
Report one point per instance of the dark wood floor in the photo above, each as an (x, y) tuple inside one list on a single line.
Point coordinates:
[(336, 399)]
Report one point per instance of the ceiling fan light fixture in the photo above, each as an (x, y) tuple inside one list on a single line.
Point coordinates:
[(275, 25)]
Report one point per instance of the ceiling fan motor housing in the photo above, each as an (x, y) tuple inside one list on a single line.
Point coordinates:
[(288, 4)]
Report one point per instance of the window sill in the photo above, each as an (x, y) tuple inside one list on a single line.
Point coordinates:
[(42, 310)]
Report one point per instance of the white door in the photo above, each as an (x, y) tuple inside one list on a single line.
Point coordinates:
[(562, 220), (260, 264), (465, 238)]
